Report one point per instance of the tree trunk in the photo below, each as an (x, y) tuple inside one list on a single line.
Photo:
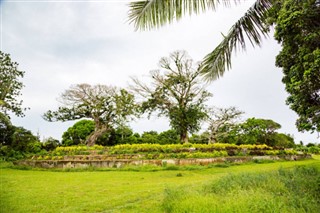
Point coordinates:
[(184, 137), (93, 137), (213, 134), (212, 138)]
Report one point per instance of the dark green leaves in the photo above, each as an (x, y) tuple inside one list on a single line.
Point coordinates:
[(298, 31), (10, 86)]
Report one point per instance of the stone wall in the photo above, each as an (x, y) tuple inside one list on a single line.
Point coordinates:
[(118, 163)]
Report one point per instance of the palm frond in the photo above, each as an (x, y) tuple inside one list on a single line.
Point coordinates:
[(147, 14), (252, 25)]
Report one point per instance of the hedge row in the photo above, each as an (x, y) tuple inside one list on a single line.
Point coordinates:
[(173, 155), (157, 151), (177, 148)]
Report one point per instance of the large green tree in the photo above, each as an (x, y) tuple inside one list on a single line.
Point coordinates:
[(258, 131), (177, 92), (297, 29), (10, 86), (106, 106)]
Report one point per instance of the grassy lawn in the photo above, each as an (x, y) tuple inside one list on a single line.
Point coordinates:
[(109, 191)]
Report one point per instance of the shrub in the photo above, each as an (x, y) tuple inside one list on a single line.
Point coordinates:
[(50, 144), (157, 151), (314, 150), (78, 133)]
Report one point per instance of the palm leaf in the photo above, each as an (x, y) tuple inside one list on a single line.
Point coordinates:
[(147, 14), (252, 25)]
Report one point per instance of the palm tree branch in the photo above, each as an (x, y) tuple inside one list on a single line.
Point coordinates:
[(147, 14), (252, 25)]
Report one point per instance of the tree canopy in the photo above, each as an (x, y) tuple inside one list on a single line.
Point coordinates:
[(256, 131), (78, 133), (106, 106), (10, 86), (177, 92), (298, 31)]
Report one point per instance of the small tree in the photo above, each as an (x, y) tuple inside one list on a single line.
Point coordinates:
[(10, 86), (283, 140), (50, 144), (168, 137), (78, 133), (258, 131), (24, 141), (105, 105), (177, 92), (149, 137), (221, 121)]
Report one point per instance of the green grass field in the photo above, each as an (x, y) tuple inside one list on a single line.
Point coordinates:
[(131, 191)]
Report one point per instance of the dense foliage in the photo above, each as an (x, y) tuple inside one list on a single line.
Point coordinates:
[(251, 131), (6, 129), (78, 133), (10, 86), (176, 148), (81, 130), (157, 151), (298, 31), (18, 142), (256, 131)]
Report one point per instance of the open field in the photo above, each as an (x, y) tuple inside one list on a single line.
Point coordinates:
[(113, 191)]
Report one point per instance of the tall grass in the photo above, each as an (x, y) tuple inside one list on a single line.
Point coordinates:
[(285, 190)]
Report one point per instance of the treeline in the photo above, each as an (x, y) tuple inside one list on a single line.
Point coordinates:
[(252, 131), (19, 143)]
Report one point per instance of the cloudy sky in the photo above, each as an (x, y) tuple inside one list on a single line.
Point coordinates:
[(60, 43)]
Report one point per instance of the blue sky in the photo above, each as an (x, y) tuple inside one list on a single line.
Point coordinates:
[(60, 43)]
